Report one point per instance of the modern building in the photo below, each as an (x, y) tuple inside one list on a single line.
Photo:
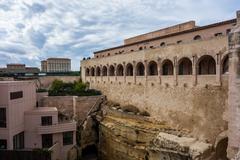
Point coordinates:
[(56, 65), (25, 126), (19, 69)]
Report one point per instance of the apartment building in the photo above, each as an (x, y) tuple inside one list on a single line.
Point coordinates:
[(23, 125)]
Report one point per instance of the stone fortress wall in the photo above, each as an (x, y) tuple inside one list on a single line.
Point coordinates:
[(183, 83)]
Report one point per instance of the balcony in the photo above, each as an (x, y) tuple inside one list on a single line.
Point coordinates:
[(57, 128)]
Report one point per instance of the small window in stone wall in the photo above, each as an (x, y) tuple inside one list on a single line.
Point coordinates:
[(228, 31), (197, 37), (179, 42), (16, 95), (67, 138), (151, 47), (132, 50), (218, 34), (162, 44), (140, 48)]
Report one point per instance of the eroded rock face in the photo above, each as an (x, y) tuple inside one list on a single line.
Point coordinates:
[(174, 146), (132, 137)]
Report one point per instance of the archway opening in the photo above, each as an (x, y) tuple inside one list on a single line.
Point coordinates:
[(140, 69), (87, 72), (167, 67), (152, 68), (206, 65), (92, 71), (104, 71), (120, 70), (185, 66), (111, 70), (98, 71), (129, 69)]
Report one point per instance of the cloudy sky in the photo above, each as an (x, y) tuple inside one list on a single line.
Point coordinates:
[(32, 30)]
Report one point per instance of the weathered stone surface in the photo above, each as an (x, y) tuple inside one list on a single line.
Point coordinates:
[(185, 146)]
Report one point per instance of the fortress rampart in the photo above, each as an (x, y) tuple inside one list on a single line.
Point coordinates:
[(183, 81)]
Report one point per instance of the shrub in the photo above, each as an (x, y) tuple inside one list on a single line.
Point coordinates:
[(78, 88), (130, 108), (145, 113)]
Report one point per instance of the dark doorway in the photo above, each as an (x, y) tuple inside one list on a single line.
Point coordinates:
[(90, 153), (221, 149)]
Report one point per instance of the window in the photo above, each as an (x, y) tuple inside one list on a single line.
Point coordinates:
[(16, 95), (46, 120), (218, 34), (47, 140), (3, 118), (197, 37), (3, 144), (228, 31), (179, 42), (67, 138), (162, 44), (18, 141)]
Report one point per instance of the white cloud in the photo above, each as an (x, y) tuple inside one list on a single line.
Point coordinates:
[(33, 29)]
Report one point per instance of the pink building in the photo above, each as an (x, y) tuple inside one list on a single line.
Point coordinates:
[(23, 125)]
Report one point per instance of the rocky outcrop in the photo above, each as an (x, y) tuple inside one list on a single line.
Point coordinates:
[(133, 137)]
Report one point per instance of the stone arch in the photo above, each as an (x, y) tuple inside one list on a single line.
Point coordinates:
[(152, 68), (184, 66), (98, 71), (111, 70), (167, 67), (197, 37), (92, 71), (120, 70), (140, 69), (225, 64), (129, 69), (87, 72), (206, 65), (104, 71)]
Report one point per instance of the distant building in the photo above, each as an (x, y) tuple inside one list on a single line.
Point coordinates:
[(24, 126), (56, 65), (19, 69)]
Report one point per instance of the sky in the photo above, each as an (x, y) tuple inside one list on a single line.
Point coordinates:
[(33, 30)]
